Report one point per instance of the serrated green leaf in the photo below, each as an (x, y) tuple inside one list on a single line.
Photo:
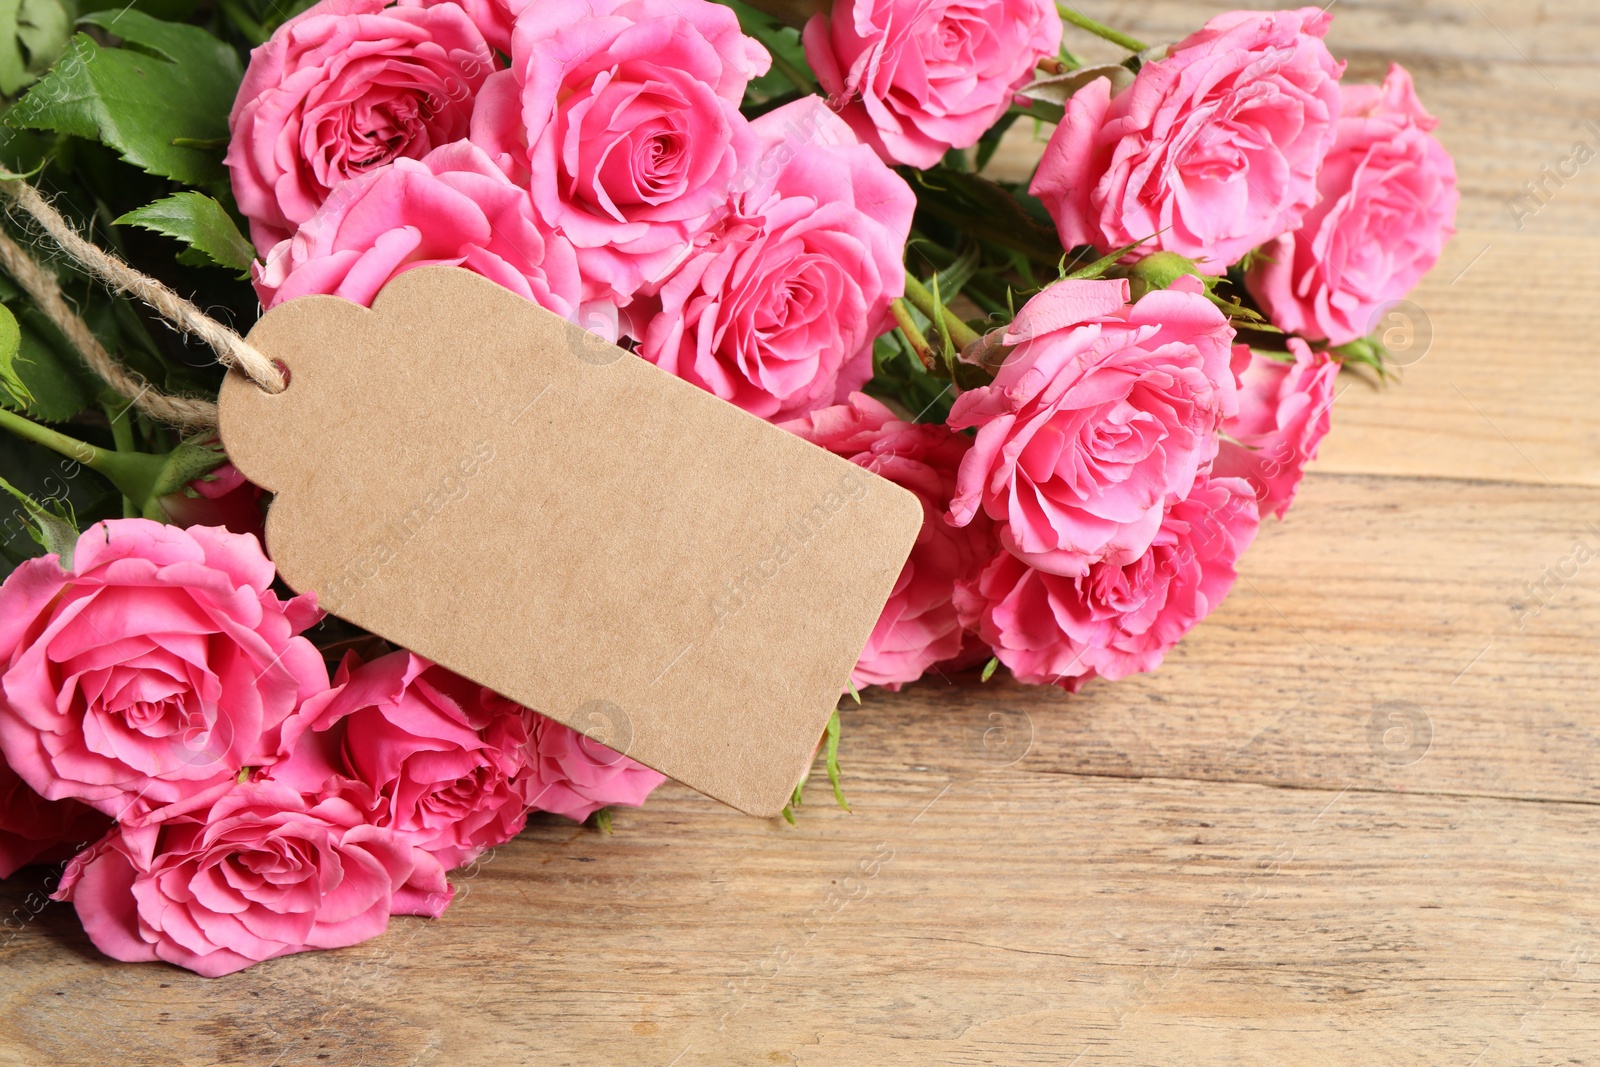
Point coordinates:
[(200, 222), (32, 34), (167, 82)]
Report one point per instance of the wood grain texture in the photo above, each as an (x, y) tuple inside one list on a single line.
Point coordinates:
[(1351, 821)]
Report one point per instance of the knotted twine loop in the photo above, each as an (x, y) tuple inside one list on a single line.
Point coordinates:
[(232, 350)]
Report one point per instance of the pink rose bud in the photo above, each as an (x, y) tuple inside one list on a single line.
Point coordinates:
[(221, 498), (919, 626), (246, 873), (1117, 619), (1101, 413), (916, 78), (341, 88), (1387, 208), (1211, 152), (158, 665), (776, 309)]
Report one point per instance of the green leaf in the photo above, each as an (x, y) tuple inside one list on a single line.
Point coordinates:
[(167, 82), (55, 532), (58, 383), (988, 211), (32, 34), (990, 141), (15, 390), (170, 10), (200, 222), (989, 669)]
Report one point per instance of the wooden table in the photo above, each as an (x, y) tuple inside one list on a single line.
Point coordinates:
[(1352, 820)]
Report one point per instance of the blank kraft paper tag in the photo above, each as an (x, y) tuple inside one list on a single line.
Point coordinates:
[(473, 478)]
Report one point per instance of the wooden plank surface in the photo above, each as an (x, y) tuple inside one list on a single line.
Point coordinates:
[(1351, 821)]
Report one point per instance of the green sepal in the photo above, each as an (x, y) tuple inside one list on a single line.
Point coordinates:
[(55, 532)]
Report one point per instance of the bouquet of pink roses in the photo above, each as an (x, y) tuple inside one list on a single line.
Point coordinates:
[(1096, 382)]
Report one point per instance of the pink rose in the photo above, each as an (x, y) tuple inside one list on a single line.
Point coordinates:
[(576, 776), (1211, 151), (623, 117), (453, 207), (1118, 619), (777, 308), (1283, 417), (1099, 415), (446, 759), (221, 498), (344, 87), (919, 625), (1388, 206), (916, 78), (494, 18), (159, 664), (247, 873), (36, 830)]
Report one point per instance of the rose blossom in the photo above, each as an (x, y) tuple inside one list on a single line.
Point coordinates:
[(1100, 414), (1118, 619), (160, 663), (445, 758), (1388, 206), (1283, 417), (36, 830), (916, 78), (623, 117), (494, 18), (1211, 151), (576, 776), (245, 873), (453, 207), (919, 625), (342, 88), (777, 308)]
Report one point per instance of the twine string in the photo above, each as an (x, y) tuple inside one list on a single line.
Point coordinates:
[(232, 350)]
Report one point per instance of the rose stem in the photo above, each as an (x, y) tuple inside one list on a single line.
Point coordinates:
[(1084, 22), (116, 409), (135, 473), (908, 326), (960, 334)]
